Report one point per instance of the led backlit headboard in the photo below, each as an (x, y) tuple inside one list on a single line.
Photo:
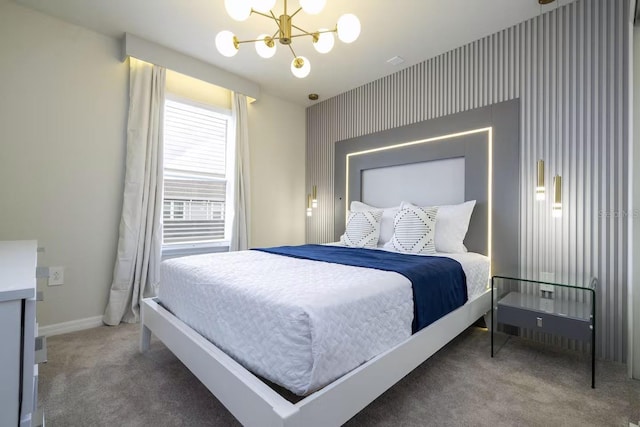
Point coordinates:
[(430, 183), (472, 155)]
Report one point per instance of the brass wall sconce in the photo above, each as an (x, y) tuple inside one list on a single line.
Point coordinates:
[(540, 191), (556, 208), (314, 197)]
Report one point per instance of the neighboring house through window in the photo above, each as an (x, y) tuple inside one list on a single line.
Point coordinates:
[(197, 201)]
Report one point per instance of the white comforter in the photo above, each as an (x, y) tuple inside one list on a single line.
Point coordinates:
[(298, 323)]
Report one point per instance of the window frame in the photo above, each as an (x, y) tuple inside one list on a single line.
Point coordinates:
[(184, 249)]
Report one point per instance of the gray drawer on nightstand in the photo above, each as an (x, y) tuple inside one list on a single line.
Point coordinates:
[(544, 322), (526, 311)]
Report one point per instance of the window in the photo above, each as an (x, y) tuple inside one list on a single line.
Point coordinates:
[(195, 174)]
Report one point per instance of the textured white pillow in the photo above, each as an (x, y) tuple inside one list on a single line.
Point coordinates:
[(386, 224), (452, 224), (362, 230), (414, 230)]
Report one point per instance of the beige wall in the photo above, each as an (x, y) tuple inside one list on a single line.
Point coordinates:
[(277, 132), (62, 150), (197, 90), (62, 127)]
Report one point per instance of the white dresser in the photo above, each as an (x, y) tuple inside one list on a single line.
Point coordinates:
[(18, 373)]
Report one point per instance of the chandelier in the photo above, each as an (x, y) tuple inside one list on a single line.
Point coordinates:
[(347, 29)]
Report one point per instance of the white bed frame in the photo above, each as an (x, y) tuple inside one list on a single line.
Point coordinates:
[(254, 403)]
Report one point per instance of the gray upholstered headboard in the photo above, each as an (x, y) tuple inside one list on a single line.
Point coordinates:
[(481, 144)]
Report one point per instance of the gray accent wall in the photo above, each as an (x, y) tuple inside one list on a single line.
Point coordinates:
[(569, 68)]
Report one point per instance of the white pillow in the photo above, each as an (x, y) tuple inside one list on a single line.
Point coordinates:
[(414, 230), (386, 224), (452, 224), (362, 230)]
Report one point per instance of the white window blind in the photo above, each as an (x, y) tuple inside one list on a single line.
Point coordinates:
[(195, 164)]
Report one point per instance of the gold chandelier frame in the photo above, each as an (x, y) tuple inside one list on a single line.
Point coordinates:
[(284, 33), (347, 29)]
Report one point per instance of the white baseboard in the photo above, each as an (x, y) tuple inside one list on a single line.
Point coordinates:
[(72, 326)]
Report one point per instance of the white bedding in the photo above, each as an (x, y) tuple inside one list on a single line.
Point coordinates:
[(298, 323)]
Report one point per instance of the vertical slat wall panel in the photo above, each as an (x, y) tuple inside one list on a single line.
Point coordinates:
[(569, 69)]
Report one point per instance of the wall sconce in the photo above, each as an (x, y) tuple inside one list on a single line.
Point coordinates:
[(314, 199), (309, 210), (540, 192), (556, 208)]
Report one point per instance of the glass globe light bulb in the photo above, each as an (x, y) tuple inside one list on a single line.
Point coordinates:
[(300, 67), (238, 10), (348, 28), (325, 42), (265, 46), (312, 7), (226, 43)]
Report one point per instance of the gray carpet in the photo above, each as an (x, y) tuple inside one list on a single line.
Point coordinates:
[(98, 378)]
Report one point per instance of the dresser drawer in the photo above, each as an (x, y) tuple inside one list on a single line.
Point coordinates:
[(544, 322), (18, 260), (10, 319)]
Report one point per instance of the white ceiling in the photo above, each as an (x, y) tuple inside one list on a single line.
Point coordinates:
[(413, 29)]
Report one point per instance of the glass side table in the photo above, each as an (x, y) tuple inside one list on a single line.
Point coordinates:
[(545, 306)]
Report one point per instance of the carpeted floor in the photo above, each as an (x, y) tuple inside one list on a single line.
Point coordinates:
[(98, 378)]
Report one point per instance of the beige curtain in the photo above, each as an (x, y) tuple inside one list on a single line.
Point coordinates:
[(240, 230), (136, 272)]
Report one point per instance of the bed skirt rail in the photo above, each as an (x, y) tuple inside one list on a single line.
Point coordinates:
[(254, 403), (250, 400)]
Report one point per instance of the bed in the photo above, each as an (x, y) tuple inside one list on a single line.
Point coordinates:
[(299, 323), (184, 322), (254, 403)]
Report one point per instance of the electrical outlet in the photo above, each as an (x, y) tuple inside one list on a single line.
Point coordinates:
[(56, 276), (547, 277)]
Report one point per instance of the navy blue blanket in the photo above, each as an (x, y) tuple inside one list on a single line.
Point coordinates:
[(439, 284)]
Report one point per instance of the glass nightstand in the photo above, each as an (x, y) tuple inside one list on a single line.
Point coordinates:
[(544, 306)]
